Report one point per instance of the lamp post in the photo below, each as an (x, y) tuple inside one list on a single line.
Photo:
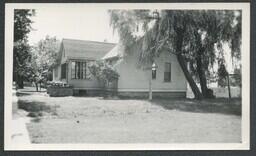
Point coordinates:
[(152, 77), (155, 16), (154, 71)]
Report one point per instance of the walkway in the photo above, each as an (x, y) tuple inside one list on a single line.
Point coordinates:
[(19, 132)]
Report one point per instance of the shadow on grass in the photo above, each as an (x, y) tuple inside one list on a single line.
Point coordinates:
[(36, 109), (32, 91), (36, 120), (109, 98), (222, 106), (33, 106), (22, 94), (27, 89)]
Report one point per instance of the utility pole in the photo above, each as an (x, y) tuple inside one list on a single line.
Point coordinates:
[(152, 75), (229, 92), (150, 86)]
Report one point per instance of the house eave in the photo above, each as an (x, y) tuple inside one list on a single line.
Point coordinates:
[(80, 58)]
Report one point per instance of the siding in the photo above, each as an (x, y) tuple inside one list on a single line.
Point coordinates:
[(57, 68), (57, 73), (135, 79), (82, 83), (132, 78)]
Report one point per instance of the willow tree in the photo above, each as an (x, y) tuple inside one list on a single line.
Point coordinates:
[(193, 36), (204, 48)]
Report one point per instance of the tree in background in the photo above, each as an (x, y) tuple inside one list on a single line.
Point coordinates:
[(193, 36), (237, 77), (21, 48), (43, 59)]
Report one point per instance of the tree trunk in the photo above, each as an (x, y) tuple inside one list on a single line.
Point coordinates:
[(229, 92), (200, 68), (150, 86), (36, 86), (19, 81), (189, 78), (183, 64), (202, 77)]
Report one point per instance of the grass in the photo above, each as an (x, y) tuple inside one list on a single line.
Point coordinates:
[(219, 105), (97, 120), (34, 107)]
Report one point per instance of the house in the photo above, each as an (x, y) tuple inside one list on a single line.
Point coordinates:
[(72, 68)]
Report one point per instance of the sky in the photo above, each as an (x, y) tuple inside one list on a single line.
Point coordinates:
[(79, 23), (73, 23)]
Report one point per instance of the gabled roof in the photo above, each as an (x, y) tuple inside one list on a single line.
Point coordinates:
[(117, 51), (86, 49)]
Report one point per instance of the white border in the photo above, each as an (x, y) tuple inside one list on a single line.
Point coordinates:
[(245, 7)]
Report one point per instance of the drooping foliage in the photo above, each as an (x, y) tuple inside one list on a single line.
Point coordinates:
[(195, 36), (21, 48)]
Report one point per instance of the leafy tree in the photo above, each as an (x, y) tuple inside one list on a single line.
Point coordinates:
[(193, 36), (43, 59), (21, 48)]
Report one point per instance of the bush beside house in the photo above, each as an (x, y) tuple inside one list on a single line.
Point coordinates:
[(106, 74)]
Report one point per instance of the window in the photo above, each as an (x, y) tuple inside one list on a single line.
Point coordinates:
[(167, 72), (63, 70), (55, 72), (153, 74), (79, 70)]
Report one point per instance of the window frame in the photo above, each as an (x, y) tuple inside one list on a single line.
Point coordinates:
[(63, 73), (56, 74), (79, 67), (170, 72)]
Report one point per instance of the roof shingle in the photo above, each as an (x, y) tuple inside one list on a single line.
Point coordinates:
[(86, 49), (117, 51)]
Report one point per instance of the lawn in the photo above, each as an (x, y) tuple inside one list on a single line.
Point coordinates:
[(98, 120)]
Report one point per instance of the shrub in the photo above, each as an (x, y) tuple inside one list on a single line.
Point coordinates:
[(57, 84), (103, 71)]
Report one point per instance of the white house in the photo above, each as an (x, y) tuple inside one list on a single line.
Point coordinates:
[(74, 56)]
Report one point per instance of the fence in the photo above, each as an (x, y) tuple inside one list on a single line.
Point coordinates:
[(220, 92)]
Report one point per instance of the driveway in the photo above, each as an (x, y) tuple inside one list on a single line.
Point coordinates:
[(98, 120)]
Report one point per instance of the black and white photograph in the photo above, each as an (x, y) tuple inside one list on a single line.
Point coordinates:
[(127, 76)]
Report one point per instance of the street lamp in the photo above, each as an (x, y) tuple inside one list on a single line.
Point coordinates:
[(155, 16), (154, 71), (152, 77)]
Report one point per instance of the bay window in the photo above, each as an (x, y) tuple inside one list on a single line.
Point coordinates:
[(79, 70)]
